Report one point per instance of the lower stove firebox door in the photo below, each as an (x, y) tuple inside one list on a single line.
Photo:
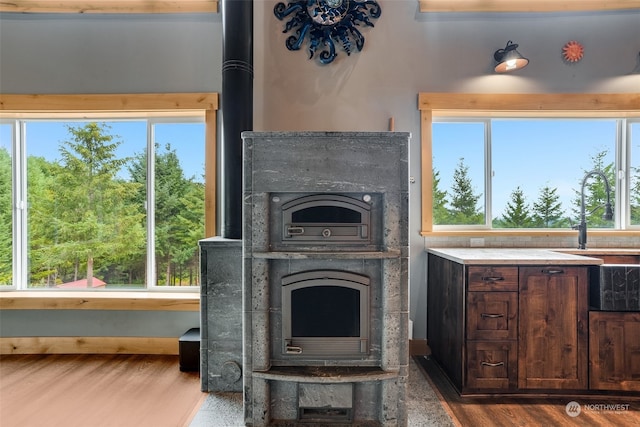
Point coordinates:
[(325, 402), (325, 314)]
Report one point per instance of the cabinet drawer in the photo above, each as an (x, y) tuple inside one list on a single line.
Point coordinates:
[(492, 315), (492, 365), (493, 278)]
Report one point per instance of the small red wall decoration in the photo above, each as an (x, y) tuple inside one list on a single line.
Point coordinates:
[(572, 51)]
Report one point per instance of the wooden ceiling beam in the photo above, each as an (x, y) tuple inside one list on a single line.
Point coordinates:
[(110, 6), (480, 6)]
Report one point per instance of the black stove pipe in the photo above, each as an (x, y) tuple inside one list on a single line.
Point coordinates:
[(236, 102)]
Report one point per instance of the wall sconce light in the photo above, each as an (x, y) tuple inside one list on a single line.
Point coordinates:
[(509, 59)]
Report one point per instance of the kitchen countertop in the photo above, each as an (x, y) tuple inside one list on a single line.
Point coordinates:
[(519, 256), (600, 251)]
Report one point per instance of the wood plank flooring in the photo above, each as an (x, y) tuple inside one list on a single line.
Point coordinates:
[(96, 390), (529, 411), (140, 391)]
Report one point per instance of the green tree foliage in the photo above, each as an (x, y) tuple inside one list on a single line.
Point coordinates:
[(6, 235), (547, 210), (46, 261), (191, 221), (81, 222), (634, 196), (179, 216), (595, 192), (516, 213), (440, 213), (464, 202)]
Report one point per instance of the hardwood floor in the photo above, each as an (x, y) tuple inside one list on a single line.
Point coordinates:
[(96, 390), (527, 411), (139, 390)]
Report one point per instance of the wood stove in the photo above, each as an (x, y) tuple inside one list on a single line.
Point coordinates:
[(325, 289)]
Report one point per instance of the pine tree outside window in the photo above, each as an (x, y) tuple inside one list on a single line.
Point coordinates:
[(634, 172)]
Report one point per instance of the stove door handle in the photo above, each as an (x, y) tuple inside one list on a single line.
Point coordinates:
[(295, 231), (292, 349)]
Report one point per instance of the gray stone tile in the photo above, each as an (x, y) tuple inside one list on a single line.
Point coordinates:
[(423, 406), (220, 410)]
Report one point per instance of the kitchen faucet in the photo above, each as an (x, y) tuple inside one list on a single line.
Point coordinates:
[(608, 212)]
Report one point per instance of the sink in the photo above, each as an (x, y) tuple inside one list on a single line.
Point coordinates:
[(615, 287)]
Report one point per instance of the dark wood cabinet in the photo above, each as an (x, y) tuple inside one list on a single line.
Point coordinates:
[(553, 337), (491, 328), (445, 314), (614, 350), (508, 328)]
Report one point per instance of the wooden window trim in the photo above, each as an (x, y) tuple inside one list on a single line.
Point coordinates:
[(480, 6), (99, 300), (521, 105), (20, 106), (89, 345), (110, 6)]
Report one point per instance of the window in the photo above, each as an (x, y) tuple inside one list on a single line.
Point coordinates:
[(109, 200), (524, 173), (6, 225), (491, 168), (458, 165)]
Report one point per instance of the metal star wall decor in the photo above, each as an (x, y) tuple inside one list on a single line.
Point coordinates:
[(327, 23)]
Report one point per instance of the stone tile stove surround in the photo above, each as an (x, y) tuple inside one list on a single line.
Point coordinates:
[(299, 371)]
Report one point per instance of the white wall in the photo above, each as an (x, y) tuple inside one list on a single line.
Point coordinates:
[(407, 52), (113, 53)]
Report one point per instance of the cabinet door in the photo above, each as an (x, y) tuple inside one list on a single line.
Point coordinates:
[(614, 347), (492, 315), (553, 339)]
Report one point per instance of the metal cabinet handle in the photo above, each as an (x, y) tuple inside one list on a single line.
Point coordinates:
[(492, 279), (490, 316), (492, 365), (552, 271)]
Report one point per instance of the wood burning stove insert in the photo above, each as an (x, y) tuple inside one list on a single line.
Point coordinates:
[(325, 314), (326, 220)]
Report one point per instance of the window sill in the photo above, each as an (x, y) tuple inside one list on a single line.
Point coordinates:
[(533, 233), (88, 300)]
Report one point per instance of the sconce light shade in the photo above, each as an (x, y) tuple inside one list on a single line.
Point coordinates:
[(509, 59)]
